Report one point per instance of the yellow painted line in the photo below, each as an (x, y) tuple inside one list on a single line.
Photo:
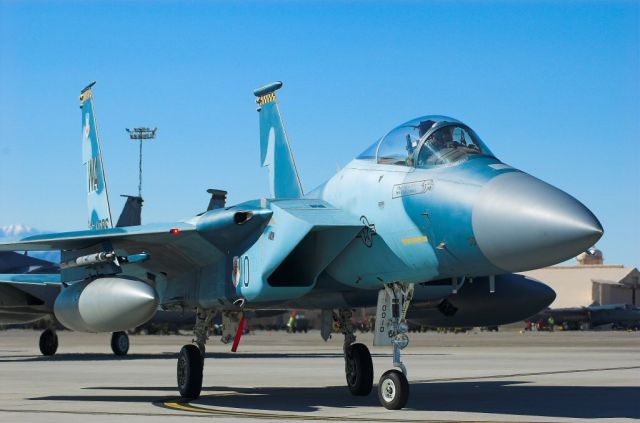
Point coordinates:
[(288, 416), (415, 240)]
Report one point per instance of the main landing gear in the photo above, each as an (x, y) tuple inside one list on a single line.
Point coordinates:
[(191, 358), (358, 366), (391, 329), (190, 366), (48, 342), (120, 343)]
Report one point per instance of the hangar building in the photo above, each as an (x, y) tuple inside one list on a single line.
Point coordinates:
[(590, 281)]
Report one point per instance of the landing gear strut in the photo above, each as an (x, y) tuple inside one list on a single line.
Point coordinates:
[(357, 359), (191, 358), (120, 343), (48, 342), (393, 387)]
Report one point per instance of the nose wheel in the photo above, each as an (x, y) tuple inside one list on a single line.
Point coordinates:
[(393, 390)]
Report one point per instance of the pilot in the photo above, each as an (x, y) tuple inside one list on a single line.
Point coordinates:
[(440, 139), (424, 126)]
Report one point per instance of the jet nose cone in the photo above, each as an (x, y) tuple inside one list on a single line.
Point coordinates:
[(522, 223)]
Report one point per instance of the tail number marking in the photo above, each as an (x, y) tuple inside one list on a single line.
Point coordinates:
[(92, 175)]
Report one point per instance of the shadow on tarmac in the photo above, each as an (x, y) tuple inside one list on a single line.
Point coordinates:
[(174, 356), (495, 397)]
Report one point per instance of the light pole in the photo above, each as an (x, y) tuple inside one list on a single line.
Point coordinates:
[(141, 134)]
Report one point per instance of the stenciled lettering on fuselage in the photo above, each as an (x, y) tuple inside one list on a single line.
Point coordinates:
[(411, 188), (92, 175)]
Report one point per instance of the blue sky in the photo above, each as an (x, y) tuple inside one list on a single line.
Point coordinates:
[(552, 87)]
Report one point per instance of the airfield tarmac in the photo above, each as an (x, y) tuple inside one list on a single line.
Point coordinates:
[(476, 376)]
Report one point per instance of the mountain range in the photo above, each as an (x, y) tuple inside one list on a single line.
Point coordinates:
[(19, 230)]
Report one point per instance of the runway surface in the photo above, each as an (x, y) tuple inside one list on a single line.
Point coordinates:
[(476, 376)]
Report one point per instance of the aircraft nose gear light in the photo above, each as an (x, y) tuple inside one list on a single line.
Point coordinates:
[(391, 329)]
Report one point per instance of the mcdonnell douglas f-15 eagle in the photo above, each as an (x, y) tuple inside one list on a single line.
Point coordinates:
[(426, 224)]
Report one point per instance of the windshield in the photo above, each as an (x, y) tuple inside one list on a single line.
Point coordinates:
[(450, 143), (440, 139), (398, 145)]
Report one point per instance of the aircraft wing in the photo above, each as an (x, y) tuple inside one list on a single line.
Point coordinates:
[(173, 248), (26, 297), (154, 234)]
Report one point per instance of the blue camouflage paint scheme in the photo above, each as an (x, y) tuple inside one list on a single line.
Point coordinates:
[(97, 196), (370, 224), (442, 214), (275, 151), (50, 278)]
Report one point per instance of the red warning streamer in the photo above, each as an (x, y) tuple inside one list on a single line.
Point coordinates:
[(236, 340)]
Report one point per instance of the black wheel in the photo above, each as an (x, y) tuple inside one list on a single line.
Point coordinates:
[(359, 369), (120, 343), (393, 390), (190, 364), (48, 342)]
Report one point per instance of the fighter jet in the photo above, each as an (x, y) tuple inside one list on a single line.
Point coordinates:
[(427, 220)]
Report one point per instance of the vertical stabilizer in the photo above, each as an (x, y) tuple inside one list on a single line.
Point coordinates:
[(218, 199), (97, 197), (275, 151), (131, 212)]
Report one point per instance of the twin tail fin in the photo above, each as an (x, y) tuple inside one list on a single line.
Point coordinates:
[(275, 151), (97, 196)]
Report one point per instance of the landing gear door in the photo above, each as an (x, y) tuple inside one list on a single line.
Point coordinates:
[(383, 330)]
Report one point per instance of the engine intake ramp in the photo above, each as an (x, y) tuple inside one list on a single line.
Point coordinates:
[(302, 239)]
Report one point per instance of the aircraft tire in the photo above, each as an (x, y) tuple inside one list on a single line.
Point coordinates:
[(393, 390), (120, 343), (359, 370), (189, 372), (48, 342)]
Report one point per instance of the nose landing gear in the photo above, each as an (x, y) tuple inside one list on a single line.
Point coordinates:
[(391, 329)]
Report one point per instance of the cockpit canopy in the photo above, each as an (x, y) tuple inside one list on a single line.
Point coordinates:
[(427, 141)]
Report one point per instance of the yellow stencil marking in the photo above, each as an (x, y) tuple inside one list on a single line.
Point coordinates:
[(415, 240)]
